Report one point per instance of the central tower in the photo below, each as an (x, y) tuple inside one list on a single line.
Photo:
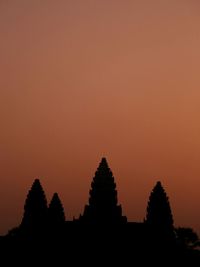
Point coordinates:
[(103, 207)]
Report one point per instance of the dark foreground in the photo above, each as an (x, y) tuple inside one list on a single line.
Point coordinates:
[(87, 245)]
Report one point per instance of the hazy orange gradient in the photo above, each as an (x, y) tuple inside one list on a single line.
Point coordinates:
[(84, 79)]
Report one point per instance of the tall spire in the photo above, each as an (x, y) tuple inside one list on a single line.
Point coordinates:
[(35, 208), (103, 206), (158, 210), (56, 215)]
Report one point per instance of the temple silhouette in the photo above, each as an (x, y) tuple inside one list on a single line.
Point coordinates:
[(102, 231), (103, 208)]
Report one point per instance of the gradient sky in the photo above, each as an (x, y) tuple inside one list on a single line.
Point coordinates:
[(84, 79)]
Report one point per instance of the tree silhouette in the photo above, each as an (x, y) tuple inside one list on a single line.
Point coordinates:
[(56, 215), (35, 208), (187, 237), (103, 206)]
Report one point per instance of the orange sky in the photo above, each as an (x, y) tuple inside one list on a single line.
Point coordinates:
[(85, 79)]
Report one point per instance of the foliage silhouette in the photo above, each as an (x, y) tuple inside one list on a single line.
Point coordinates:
[(187, 237)]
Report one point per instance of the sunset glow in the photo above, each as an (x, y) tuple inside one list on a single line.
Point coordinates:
[(81, 80)]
